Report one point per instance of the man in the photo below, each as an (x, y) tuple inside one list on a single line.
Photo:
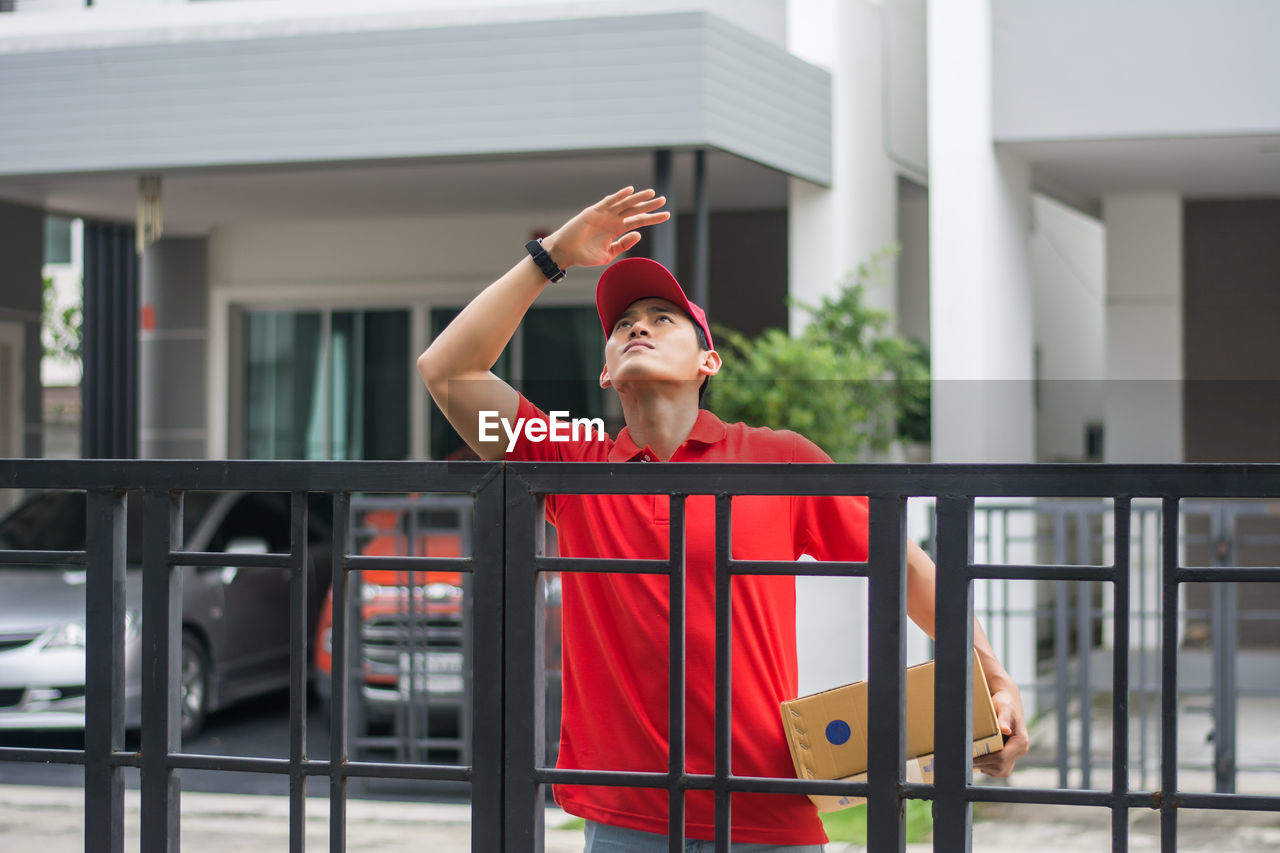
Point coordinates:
[(658, 356)]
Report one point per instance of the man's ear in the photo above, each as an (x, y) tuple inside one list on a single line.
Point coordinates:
[(710, 363), (605, 381)]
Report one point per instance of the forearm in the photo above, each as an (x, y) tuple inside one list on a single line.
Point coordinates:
[(470, 345), (922, 608)]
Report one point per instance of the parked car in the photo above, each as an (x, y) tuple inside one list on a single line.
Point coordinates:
[(235, 640), (411, 622), (412, 651)]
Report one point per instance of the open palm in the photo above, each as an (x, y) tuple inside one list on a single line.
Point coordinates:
[(606, 229)]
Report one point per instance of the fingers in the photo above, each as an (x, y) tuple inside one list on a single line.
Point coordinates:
[(623, 243), (627, 200), (640, 220)]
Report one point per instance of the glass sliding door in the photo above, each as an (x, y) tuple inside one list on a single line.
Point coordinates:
[(554, 360), (326, 384)]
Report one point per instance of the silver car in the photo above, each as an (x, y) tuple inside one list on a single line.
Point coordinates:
[(235, 622)]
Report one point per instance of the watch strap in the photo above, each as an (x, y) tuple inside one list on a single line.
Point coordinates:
[(549, 267)]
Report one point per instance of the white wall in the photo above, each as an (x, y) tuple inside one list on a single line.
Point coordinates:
[(1144, 324), (979, 224), (1078, 69), (832, 230), (1068, 274)]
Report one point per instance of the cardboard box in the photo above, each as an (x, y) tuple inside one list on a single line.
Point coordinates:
[(827, 732)]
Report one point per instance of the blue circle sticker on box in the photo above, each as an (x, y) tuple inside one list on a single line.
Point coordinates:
[(838, 732)]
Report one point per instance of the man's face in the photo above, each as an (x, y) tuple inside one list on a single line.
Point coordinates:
[(655, 340)]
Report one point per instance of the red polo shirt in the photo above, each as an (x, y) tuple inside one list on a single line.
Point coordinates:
[(615, 630)]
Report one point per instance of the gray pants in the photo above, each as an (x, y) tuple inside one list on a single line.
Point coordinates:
[(602, 838)]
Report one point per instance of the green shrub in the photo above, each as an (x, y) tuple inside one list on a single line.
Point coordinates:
[(843, 383), (850, 825)]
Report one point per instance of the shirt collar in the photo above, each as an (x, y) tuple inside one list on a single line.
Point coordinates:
[(707, 429)]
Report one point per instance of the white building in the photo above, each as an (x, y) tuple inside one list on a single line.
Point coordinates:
[(1087, 195)]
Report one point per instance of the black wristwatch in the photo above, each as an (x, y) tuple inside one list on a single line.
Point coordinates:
[(544, 261)]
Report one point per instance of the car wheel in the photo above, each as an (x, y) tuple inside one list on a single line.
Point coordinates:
[(194, 678)]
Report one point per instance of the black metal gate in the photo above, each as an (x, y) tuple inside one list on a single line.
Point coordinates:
[(507, 773)]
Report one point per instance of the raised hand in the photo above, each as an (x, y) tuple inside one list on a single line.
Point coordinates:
[(606, 229)]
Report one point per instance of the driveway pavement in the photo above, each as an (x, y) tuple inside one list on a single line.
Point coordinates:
[(48, 820)]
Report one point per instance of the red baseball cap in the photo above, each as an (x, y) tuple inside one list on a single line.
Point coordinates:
[(631, 279)]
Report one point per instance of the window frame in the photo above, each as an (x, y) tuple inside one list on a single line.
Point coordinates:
[(229, 304)]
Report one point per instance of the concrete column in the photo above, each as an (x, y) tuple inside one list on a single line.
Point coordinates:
[(980, 280), (21, 304), (834, 229), (1144, 350), (172, 336)]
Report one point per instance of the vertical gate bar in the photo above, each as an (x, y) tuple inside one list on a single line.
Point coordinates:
[(676, 676), (523, 670), (1224, 655), (724, 670), (339, 649), (104, 670), (298, 671), (953, 674), (486, 664), (1006, 630), (466, 524), (1061, 641), (408, 690), (1217, 629), (161, 661), (1143, 618), (1084, 645), (1120, 679), (1225, 738), (886, 681), (1169, 678)]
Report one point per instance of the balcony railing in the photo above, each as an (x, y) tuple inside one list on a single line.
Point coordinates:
[(507, 773)]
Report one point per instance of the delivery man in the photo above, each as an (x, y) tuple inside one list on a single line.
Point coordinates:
[(658, 356)]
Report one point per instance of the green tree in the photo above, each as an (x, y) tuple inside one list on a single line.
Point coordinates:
[(844, 383), (60, 326)]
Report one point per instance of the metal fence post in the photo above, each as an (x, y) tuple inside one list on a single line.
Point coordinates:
[(886, 682), (1169, 678), (104, 670), (676, 692), (523, 669), (953, 675), (161, 660), (724, 673), (1224, 613), (488, 707), (1061, 650), (339, 670), (1084, 648), (298, 529), (1120, 679)]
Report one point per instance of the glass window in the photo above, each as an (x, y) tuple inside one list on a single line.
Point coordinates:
[(326, 384), (57, 240), (560, 352)]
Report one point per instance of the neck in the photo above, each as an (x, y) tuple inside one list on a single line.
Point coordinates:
[(660, 421)]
